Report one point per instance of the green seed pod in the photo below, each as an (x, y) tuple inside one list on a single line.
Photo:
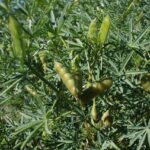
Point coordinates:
[(92, 33), (67, 78), (94, 114), (15, 31), (107, 83), (95, 89), (76, 72), (103, 33), (107, 119)]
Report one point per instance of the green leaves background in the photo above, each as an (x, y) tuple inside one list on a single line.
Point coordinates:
[(52, 119)]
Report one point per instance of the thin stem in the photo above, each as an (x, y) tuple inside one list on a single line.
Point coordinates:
[(41, 77)]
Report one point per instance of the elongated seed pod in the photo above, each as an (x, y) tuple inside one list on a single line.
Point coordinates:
[(76, 72), (92, 32), (94, 114), (15, 31), (67, 78), (94, 90), (103, 33)]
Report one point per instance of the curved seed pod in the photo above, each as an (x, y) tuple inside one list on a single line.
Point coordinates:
[(92, 91), (77, 73), (107, 83), (94, 114), (102, 35), (66, 78), (15, 31), (92, 33), (105, 115), (107, 119)]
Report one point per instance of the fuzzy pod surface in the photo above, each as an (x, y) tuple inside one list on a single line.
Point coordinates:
[(92, 32), (67, 78), (104, 30), (94, 90), (15, 31)]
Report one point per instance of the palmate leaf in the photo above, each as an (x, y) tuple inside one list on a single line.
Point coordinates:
[(31, 135), (137, 133), (27, 126)]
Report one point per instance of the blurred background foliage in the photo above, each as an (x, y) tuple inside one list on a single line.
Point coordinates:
[(36, 110)]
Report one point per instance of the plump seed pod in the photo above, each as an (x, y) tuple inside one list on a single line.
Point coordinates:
[(92, 33), (103, 33), (94, 114), (107, 119), (76, 72), (107, 83), (95, 89), (67, 78), (15, 32), (105, 115)]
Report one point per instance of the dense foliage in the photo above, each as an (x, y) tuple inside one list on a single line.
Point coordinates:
[(37, 111)]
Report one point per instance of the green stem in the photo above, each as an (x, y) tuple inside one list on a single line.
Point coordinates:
[(34, 71)]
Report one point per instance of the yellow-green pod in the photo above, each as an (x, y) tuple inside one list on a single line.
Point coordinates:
[(107, 83), (15, 31), (92, 32), (76, 72), (105, 115), (67, 78), (103, 33), (94, 90), (94, 114), (107, 119)]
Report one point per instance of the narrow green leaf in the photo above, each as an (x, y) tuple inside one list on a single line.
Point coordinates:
[(141, 142), (9, 87), (148, 136), (126, 61), (30, 136), (140, 37), (26, 126)]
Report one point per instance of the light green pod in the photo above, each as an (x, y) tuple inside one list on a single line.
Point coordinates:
[(92, 32), (67, 78), (107, 83), (94, 113), (15, 32), (103, 33), (76, 72), (94, 90)]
